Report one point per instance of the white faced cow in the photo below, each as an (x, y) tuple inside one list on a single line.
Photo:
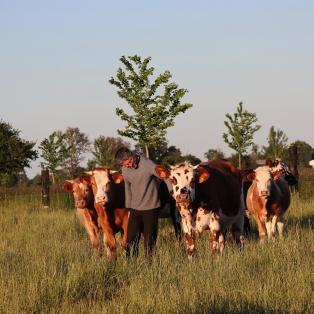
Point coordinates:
[(108, 188), (208, 196), (268, 199), (84, 203)]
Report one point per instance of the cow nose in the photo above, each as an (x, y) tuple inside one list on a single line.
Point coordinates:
[(101, 199), (184, 191), (80, 204)]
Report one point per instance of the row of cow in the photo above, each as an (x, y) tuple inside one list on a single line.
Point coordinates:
[(213, 195)]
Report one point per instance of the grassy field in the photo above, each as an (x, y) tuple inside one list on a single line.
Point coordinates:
[(47, 266)]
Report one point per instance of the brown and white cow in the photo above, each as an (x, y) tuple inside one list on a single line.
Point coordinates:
[(108, 188), (279, 170), (208, 196), (268, 199), (84, 203)]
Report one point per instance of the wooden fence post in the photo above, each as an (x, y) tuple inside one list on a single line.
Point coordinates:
[(293, 162), (45, 184)]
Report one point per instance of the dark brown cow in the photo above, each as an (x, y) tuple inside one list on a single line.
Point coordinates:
[(108, 188), (268, 198), (84, 203), (208, 196)]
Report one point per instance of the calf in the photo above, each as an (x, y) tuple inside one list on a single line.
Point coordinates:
[(84, 203), (108, 189), (267, 200), (208, 196)]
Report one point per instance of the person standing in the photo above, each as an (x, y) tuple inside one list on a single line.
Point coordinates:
[(141, 199)]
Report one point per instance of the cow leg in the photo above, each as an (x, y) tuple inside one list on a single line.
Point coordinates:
[(280, 226), (175, 221), (261, 229), (237, 230), (270, 223), (187, 226), (202, 221), (216, 236), (274, 227), (92, 230), (124, 234), (108, 234), (110, 244)]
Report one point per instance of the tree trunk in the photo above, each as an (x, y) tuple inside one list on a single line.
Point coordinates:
[(146, 151), (239, 161), (45, 188), (53, 177)]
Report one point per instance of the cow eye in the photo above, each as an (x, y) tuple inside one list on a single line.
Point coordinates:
[(174, 181)]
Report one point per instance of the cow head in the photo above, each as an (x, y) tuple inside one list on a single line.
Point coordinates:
[(82, 191), (262, 176), (183, 178), (281, 170), (101, 180)]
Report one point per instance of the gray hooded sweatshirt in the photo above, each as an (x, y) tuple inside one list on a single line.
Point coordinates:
[(141, 185)]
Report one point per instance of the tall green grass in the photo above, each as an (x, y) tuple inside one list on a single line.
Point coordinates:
[(47, 265)]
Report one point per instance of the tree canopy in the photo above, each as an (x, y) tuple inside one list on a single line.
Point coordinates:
[(54, 151), (277, 144), (77, 143), (240, 130), (104, 151), (213, 154), (153, 112), (305, 151), (15, 152)]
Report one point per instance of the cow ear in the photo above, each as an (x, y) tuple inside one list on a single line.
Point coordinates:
[(117, 178), (269, 163), (162, 172), (202, 174), (276, 175), (86, 180), (68, 186), (90, 173), (251, 176)]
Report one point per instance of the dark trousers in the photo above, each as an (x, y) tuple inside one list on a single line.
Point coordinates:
[(146, 222)]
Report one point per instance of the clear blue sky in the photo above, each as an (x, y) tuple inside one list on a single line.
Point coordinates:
[(57, 56)]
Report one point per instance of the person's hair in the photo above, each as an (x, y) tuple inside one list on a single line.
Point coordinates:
[(122, 154)]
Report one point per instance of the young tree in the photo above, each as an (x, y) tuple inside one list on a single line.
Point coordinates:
[(192, 159), (54, 151), (172, 156), (156, 153), (15, 153), (241, 128), (153, 113), (77, 144), (105, 149), (213, 154), (277, 144), (305, 151)]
